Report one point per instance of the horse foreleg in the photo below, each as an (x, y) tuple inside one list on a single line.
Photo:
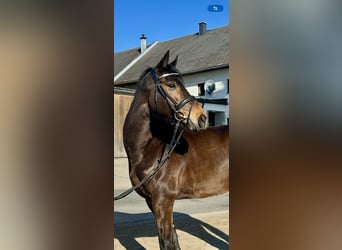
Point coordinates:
[(163, 211)]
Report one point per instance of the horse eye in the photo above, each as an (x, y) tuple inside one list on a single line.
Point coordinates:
[(171, 85)]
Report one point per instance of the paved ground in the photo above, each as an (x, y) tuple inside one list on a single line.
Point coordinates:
[(200, 223)]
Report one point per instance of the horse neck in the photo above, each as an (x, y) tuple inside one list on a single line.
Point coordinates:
[(137, 132)]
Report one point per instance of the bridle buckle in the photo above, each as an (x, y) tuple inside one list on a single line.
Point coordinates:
[(179, 115)]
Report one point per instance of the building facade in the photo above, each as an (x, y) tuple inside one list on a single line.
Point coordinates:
[(211, 88)]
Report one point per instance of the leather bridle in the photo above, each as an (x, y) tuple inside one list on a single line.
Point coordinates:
[(173, 105), (177, 133)]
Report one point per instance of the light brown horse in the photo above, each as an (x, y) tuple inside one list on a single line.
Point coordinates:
[(199, 165)]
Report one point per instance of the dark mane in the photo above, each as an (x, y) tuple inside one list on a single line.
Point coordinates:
[(144, 73)]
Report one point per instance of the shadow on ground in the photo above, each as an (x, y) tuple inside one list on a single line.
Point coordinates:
[(145, 227)]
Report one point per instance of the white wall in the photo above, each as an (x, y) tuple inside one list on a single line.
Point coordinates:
[(218, 76)]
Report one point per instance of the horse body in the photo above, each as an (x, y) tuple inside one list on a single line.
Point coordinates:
[(197, 168), (205, 168)]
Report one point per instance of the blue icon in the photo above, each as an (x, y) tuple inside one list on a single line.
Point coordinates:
[(215, 8)]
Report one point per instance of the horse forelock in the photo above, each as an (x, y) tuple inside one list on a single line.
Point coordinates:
[(169, 69)]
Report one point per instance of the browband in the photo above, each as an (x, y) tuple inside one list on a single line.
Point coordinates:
[(168, 74)]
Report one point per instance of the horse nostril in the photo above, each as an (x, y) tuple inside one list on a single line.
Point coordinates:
[(202, 121)]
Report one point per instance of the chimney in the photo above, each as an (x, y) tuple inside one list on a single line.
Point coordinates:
[(202, 28), (142, 43)]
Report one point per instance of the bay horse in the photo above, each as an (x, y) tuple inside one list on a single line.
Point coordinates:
[(199, 165)]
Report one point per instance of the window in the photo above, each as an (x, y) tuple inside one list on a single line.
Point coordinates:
[(211, 118), (216, 118), (201, 91)]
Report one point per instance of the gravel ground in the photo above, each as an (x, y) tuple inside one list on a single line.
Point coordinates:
[(200, 231), (200, 223)]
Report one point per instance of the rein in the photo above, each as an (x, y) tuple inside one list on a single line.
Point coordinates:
[(161, 162), (178, 115)]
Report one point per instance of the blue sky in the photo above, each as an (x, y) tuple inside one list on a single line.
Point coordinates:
[(162, 20)]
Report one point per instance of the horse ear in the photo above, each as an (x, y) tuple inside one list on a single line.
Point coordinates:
[(174, 62), (164, 61)]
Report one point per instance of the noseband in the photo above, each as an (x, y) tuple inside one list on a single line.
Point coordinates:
[(173, 105)]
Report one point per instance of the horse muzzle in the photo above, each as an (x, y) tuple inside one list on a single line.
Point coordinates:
[(202, 121), (198, 124)]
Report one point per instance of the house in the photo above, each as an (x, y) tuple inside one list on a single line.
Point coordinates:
[(203, 63)]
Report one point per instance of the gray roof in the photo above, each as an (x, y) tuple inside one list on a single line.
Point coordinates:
[(195, 52), (122, 59)]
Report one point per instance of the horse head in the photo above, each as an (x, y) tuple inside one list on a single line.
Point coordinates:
[(170, 99)]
